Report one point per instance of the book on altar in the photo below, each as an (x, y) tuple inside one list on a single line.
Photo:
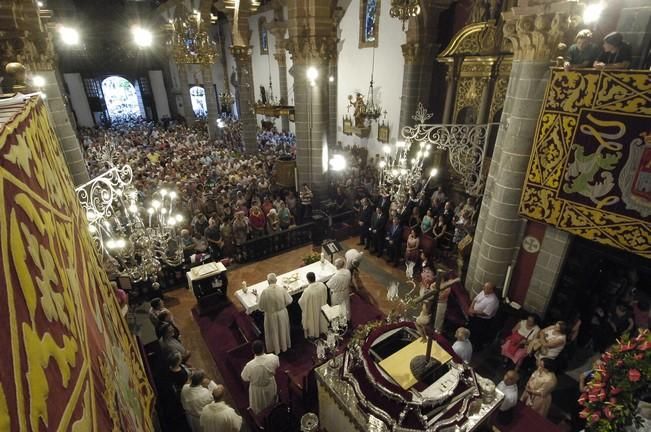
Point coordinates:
[(206, 269), (332, 312), (397, 364)]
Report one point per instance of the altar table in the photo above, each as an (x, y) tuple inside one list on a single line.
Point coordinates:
[(295, 281)]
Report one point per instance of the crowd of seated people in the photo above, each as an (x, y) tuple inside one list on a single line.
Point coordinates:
[(284, 142), (228, 197)]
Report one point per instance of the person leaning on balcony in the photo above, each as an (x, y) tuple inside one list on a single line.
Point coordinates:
[(583, 53), (616, 54)]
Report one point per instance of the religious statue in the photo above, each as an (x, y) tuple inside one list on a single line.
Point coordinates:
[(423, 320), (360, 109)]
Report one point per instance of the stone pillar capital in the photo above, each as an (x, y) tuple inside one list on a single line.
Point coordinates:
[(281, 57), (319, 49), (414, 52), (536, 29), (241, 53), (277, 29)]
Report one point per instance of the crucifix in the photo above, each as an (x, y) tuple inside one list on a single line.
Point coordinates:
[(421, 366)]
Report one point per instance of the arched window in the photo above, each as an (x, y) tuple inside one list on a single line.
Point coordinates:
[(369, 21), (198, 98), (264, 37), (120, 97)]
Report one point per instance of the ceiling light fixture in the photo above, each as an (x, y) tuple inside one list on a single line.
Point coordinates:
[(142, 37)]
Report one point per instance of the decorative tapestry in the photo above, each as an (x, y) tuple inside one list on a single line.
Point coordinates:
[(69, 362), (590, 167)]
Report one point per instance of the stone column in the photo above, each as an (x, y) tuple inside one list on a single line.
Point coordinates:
[(282, 84), (332, 96), (418, 53), (63, 127), (450, 92), (188, 112), (313, 44), (211, 100), (278, 30), (411, 82), (535, 32), (242, 54)]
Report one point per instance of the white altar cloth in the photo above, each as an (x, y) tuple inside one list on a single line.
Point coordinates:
[(295, 281)]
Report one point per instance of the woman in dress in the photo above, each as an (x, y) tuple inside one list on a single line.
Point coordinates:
[(240, 228), (258, 221), (273, 221), (412, 253), (284, 216), (538, 392), (514, 347), (549, 342), (439, 232), (427, 223)]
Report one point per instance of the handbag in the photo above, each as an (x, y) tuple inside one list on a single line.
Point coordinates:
[(513, 342)]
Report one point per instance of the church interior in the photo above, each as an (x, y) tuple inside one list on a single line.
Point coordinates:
[(325, 215)]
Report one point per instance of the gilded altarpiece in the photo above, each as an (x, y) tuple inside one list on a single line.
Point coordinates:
[(69, 362), (590, 167), (478, 60)]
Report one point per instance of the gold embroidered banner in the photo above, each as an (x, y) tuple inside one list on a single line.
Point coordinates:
[(590, 167), (68, 360)]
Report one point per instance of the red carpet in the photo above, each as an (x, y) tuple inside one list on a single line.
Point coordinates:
[(527, 420), (223, 335)]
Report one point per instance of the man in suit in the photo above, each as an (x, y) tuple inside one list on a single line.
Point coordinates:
[(365, 215), (394, 240), (378, 221), (385, 202)]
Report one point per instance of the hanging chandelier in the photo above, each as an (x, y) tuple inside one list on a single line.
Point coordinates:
[(404, 9), (366, 110), (226, 99), (191, 44), (373, 109), (401, 169), (135, 242)]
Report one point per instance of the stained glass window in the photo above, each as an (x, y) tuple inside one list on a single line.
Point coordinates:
[(370, 17)]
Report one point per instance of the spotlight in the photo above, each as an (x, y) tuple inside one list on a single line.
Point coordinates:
[(386, 149), (312, 73), (434, 172), (69, 35), (592, 13), (40, 4), (331, 78), (142, 37), (383, 164), (338, 163)]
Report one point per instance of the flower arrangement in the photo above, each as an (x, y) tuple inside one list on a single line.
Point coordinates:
[(610, 399), (312, 257)]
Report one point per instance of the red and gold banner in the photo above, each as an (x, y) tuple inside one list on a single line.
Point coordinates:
[(590, 167), (69, 362)]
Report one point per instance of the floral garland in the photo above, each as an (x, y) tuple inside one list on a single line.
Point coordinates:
[(610, 398), (312, 257)]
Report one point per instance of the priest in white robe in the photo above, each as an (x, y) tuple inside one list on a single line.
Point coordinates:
[(339, 285), (217, 416), (195, 395), (260, 373), (273, 302), (314, 296)]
